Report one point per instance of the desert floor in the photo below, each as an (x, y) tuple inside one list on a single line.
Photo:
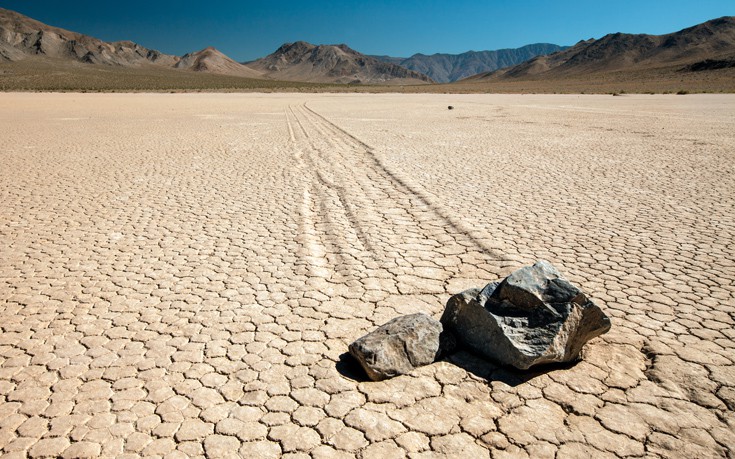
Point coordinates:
[(181, 274)]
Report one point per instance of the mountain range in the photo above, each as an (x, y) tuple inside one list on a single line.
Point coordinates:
[(702, 57), (706, 46), (22, 37), (445, 68)]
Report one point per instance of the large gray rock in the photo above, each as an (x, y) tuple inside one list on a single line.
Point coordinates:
[(534, 316), (398, 346)]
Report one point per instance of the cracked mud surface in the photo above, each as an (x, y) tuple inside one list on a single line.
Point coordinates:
[(180, 275)]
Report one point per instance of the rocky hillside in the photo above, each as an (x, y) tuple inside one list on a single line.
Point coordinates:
[(22, 37), (301, 61), (445, 68), (681, 51)]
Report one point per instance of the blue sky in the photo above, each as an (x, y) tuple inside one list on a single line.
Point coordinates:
[(246, 30)]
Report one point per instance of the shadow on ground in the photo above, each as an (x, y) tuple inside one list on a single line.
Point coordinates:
[(350, 368), (493, 372)]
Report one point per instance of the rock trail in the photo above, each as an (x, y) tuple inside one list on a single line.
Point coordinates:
[(177, 284)]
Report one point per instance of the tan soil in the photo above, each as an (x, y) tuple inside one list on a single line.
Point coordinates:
[(181, 274)]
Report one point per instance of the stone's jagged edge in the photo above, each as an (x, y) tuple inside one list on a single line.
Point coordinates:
[(469, 321), (510, 323), (587, 329)]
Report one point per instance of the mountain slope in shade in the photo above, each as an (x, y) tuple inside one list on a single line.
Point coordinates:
[(391, 60), (712, 40), (22, 37), (301, 61), (445, 68)]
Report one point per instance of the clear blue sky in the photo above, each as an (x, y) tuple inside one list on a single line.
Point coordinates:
[(246, 30)]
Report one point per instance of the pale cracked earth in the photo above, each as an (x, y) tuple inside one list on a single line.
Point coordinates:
[(180, 275)]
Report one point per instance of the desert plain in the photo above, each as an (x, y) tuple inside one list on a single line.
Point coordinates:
[(181, 274)]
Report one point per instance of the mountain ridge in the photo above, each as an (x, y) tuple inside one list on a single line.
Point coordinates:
[(303, 61), (446, 68), (615, 52), (22, 37)]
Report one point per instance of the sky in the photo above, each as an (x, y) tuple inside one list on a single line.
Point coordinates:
[(246, 30)]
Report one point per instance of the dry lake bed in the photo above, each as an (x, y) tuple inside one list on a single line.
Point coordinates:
[(181, 274)]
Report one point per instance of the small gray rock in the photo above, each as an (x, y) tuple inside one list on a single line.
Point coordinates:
[(398, 346), (534, 316)]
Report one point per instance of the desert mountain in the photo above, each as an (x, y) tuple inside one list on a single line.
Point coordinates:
[(445, 68), (22, 37), (707, 45), (212, 61), (301, 61)]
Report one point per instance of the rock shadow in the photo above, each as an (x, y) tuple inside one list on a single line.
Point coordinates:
[(350, 368), (490, 371)]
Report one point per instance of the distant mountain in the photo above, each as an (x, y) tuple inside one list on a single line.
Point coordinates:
[(445, 68), (301, 61), (22, 38), (694, 48), (212, 61)]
